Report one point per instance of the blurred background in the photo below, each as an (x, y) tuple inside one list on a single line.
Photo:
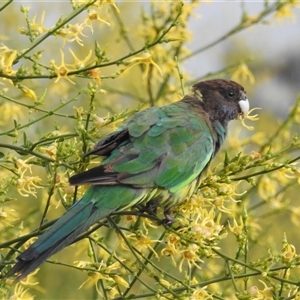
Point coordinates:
[(273, 49), (270, 51)]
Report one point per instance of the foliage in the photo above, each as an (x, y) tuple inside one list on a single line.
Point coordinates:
[(225, 243)]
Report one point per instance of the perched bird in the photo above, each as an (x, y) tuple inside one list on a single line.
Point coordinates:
[(158, 156)]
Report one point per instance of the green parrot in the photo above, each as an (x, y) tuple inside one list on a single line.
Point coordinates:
[(156, 157)]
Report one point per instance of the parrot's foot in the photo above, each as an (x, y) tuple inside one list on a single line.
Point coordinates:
[(169, 220), (150, 208)]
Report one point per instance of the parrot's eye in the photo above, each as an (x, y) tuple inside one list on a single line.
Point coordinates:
[(230, 94)]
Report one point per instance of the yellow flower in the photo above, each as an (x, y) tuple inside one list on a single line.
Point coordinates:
[(98, 122), (267, 292), (83, 263), (255, 293), (112, 293), (22, 165), (146, 222), (284, 10), (62, 70), (79, 64), (190, 256), (30, 281), (10, 111), (144, 59), (119, 280), (93, 16), (250, 117), (7, 57), (164, 282), (267, 188), (237, 229), (27, 185), (72, 32), (20, 293), (92, 280), (201, 293), (173, 247), (219, 203), (243, 74), (288, 253), (7, 216), (111, 2), (50, 151), (27, 92), (141, 242), (295, 215), (114, 266), (146, 32), (36, 29)]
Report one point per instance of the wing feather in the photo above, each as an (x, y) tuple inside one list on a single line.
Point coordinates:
[(165, 147)]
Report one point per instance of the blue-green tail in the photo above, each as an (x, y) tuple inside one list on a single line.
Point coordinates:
[(96, 204)]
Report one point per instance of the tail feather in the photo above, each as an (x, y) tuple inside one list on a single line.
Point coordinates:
[(77, 220), (97, 203)]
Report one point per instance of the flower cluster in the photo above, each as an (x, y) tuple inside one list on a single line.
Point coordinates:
[(7, 57), (26, 184)]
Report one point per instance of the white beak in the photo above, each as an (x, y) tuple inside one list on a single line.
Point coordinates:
[(244, 104)]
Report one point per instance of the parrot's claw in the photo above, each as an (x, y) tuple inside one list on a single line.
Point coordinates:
[(150, 208), (169, 220)]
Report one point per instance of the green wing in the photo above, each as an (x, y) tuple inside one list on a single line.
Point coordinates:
[(165, 147)]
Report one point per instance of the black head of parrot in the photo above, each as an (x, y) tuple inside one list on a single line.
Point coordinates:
[(223, 100)]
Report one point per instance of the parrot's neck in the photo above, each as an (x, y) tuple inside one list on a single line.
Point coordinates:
[(216, 122), (221, 132)]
